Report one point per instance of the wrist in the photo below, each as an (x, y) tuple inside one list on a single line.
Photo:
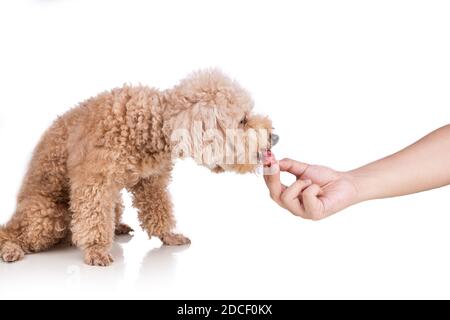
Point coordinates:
[(365, 185)]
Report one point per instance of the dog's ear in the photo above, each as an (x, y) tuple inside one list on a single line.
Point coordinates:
[(207, 136), (196, 133)]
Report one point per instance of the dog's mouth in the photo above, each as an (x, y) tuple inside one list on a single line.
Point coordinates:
[(264, 159), (265, 154), (259, 156)]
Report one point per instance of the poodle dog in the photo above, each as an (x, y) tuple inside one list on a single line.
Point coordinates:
[(128, 138)]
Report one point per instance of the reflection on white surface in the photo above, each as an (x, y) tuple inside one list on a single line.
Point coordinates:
[(352, 255), (61, 273)]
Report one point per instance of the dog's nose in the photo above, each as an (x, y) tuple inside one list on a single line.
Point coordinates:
[(274, 138)]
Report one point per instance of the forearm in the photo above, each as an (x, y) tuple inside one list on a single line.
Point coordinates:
[(422, 166)]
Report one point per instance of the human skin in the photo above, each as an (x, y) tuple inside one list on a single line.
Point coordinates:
[(320, 192)]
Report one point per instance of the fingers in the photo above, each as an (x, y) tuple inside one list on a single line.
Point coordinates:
[(292, 166), (272, 176), (302, 199), (312, 204), (294, 190), (273, 183), (290, 198)]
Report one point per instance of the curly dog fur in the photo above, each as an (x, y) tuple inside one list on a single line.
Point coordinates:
[(119, 139)]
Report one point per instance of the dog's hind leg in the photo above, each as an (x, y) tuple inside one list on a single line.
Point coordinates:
[(43, 223), (10, 251), (152, 199), (42, 214), (120, 228), (37, 225)]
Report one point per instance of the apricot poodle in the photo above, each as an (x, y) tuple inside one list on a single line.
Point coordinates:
[(129, 138)]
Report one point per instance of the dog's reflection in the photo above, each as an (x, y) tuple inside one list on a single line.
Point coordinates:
[(62, 270), (158, 266)]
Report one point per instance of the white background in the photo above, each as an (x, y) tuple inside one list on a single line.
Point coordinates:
[(345, 82)]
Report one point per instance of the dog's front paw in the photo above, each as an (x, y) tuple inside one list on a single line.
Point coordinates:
[(122, 229), (97, 257), (174, 239)]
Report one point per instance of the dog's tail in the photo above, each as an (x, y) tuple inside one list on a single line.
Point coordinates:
[(10, 250)]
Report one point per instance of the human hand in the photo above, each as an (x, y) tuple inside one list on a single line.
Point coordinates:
[(317, 193)]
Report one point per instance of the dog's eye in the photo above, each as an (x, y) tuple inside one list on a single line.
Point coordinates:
[(243, 121)]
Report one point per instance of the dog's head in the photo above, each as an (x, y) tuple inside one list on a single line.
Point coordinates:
[(212, 121)]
